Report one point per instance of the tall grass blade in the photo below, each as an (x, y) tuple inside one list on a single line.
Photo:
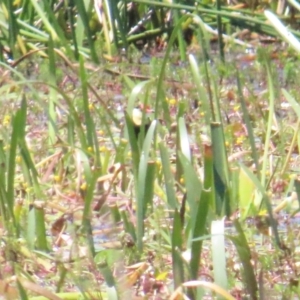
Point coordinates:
[(295, 105), (135, 152), (270, 122), (220, 33), (18, 134), (86, 218), (248, 124), (85, 20), (286, 34), (218, 253), (88, 119), (13, 27), (192, 184), (41, 240), (169, 178), (244, 253), (181, 42), (221, 172), (141, 184), (52, 126), (265, 200), (184, 139), (202, 93), (177, 262), (45, 20), (199, 221), (160, 94)]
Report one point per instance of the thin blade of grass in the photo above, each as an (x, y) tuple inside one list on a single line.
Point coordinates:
[(286, 34), (247, 121), (199, 228), (52, 126), (141, 184), (265, 200), (45, 20), (244, 253), (160, 94), (184, 139), (221, 172), (202, 93), (85, 20), (86, 218), (270, 123), (177, 262), (220, 33), (18, 134), (192, 184), (169, 178), (135, 152), (40, 229)]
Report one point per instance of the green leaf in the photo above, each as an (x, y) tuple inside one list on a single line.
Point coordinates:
[(169, 178), (177, 262), (244, 253)]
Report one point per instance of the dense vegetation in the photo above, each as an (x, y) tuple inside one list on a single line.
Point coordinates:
[(202, 203)]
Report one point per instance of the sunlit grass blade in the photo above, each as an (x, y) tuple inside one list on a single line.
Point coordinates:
[(184, 139), (30, 228), (271, 107), (248, 204), (295, 105), (192, 184), (18, 134), (202, 93), (204, 284), (263, 198), (181, 137), (45, 20), (244, 253), (283, 31), (199, 227), (41, 240), (218, 253)]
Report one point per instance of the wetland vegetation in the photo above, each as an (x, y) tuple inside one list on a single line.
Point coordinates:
[(200, 203)]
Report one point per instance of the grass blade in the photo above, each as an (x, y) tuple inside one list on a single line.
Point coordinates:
[(244, 253), (221, 173), (177, 262), (199, 227), (141, 184), (169, 178), (218, 253)]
